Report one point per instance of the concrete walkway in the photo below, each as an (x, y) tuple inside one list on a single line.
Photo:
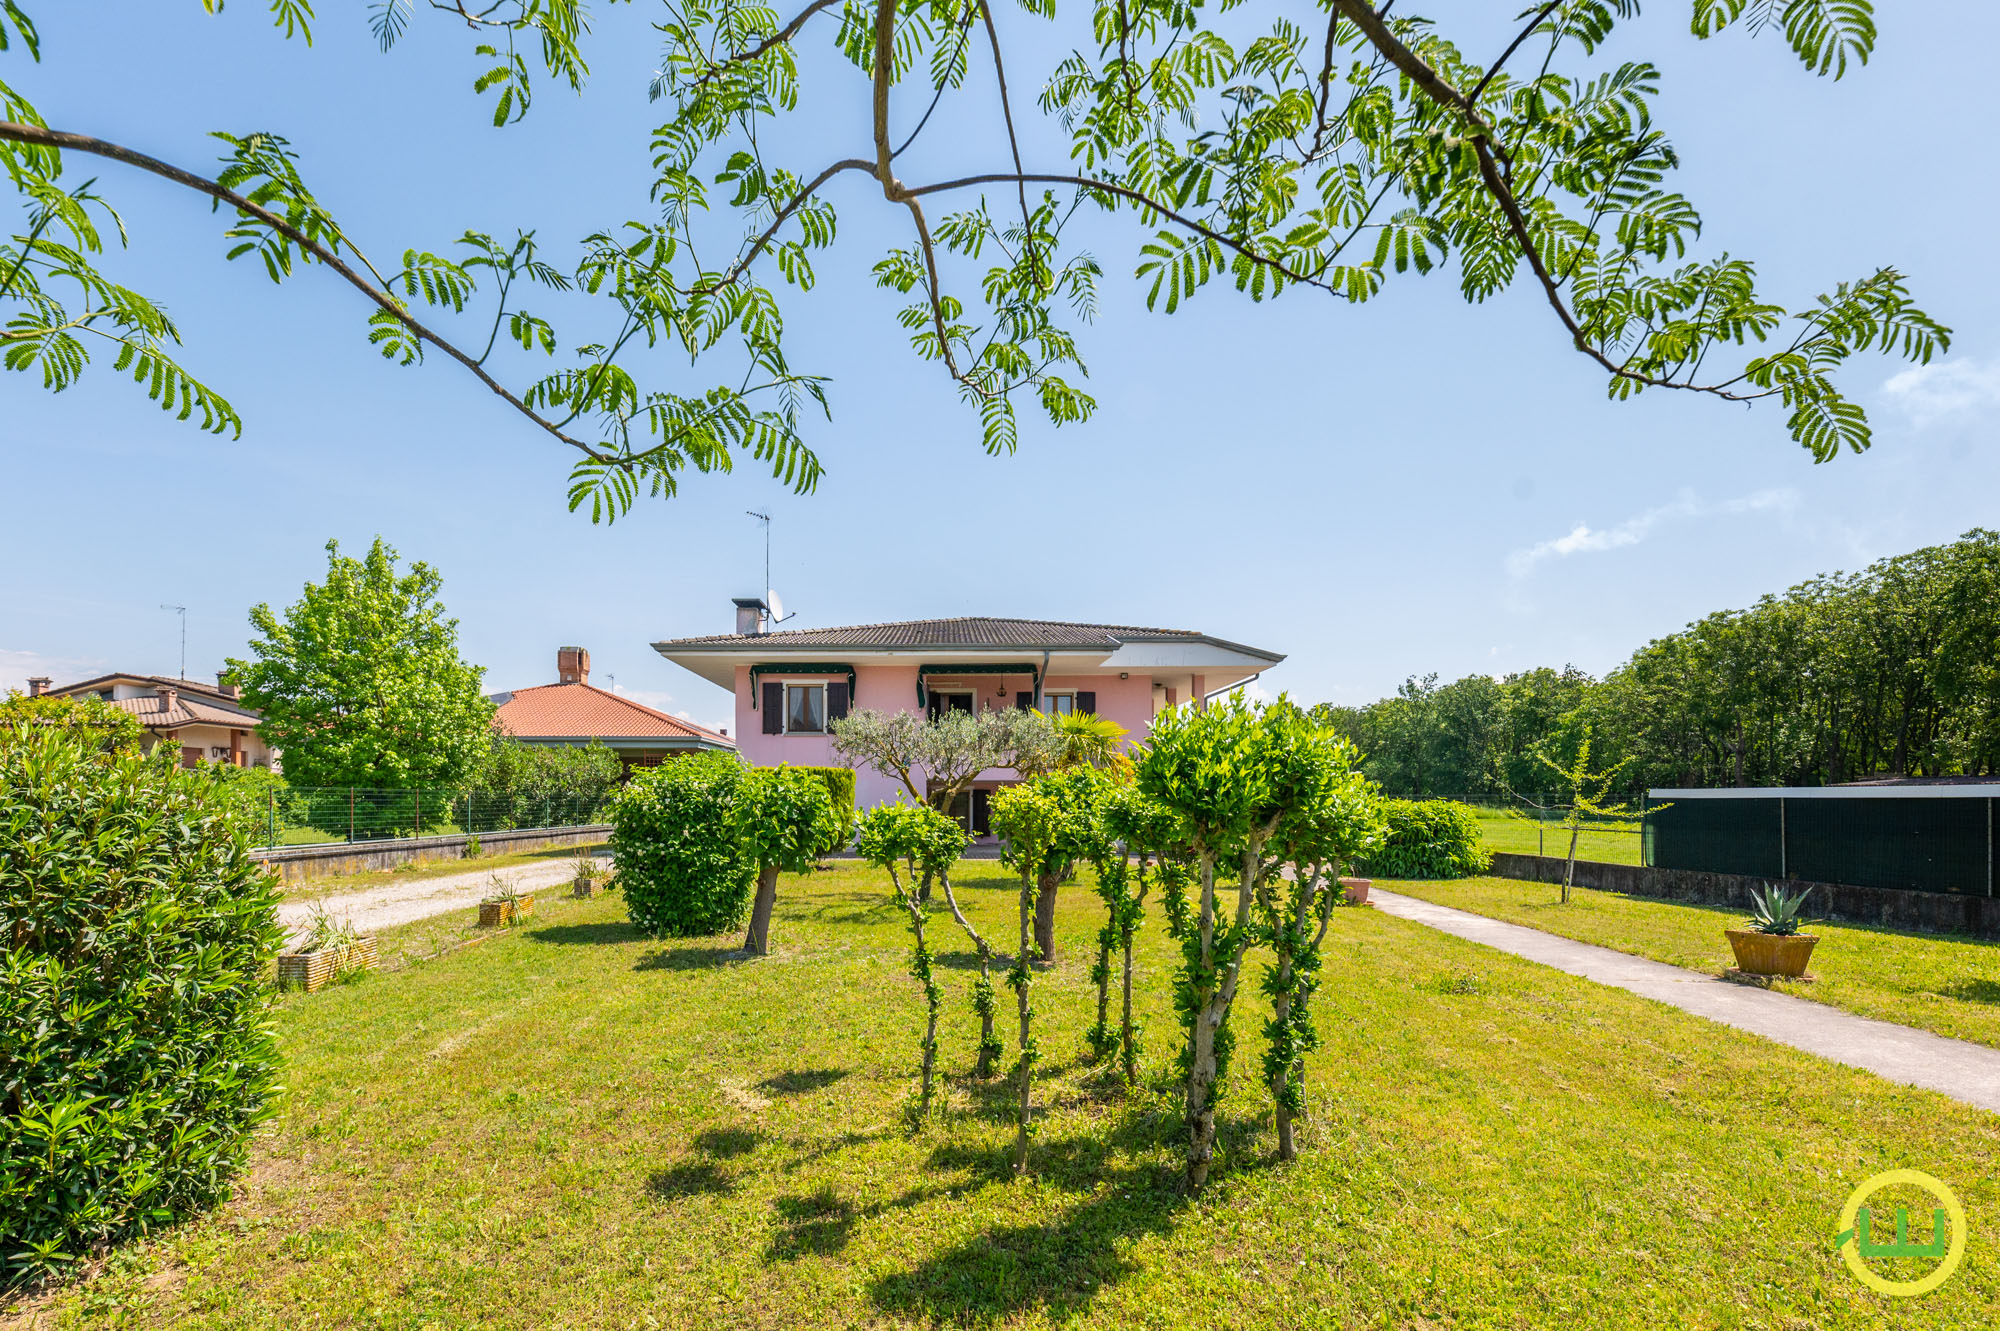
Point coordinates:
[(1957, 1068)]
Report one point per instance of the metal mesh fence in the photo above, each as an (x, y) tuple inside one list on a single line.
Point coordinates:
[(1532, 824), (309, 815)]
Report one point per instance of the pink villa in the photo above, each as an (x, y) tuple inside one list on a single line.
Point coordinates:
[(791, 684)]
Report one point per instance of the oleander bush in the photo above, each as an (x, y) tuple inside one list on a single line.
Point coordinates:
[(135, 994), (1428, 839), (673, 836)]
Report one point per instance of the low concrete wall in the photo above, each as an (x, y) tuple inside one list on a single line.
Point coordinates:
[(1931, 912), (295, 863)]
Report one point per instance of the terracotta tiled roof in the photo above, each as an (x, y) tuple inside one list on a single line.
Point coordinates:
[(152, 712), (580, 711), (973, 631)]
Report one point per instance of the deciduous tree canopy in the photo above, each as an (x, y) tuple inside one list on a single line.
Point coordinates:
[(1328, 150)]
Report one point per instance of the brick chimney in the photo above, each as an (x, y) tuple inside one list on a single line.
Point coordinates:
[(572, 665), (224, 687), (170, 698), (39, 685)]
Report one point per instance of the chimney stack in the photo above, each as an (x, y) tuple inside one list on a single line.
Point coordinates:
[(225, 688), (572, 665), (39, 685), (750, 615), (170, 698)]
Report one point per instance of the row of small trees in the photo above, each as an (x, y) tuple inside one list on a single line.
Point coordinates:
[(1240, 818)]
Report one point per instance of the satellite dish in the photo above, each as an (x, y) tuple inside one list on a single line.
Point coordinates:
[(778, 615)]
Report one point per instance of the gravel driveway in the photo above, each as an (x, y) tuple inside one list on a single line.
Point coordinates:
[(390, 904)]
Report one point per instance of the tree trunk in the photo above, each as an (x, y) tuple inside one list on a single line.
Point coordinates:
[(1282, 1006), (1569, 869), (1045, 917), (924, 888), (1128, 1054), (1100, 1034), (930, 1031), (983, 1068), (758, 941), (1025, 969)]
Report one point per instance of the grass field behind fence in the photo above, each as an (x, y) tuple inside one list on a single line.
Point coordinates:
[(1504, 831), (571, 1125)]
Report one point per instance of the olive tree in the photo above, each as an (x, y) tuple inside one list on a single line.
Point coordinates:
[(783, 819), (917, 838), (1333, 815)]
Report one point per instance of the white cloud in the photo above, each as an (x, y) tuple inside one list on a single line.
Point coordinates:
[(1931, 393), (1585, 539), (652, 698), (16, 667)]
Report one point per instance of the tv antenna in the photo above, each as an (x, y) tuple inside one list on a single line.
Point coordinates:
[(182, 611), (771, 601)]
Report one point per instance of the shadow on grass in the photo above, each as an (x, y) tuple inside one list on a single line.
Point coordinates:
[(726, 1143), (799, 1081), (690, 1178), (1973, 991), (604, 931), (818, 1224), (986, 882), (691, 957)]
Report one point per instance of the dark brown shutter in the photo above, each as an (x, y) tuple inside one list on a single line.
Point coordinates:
[(1024, 701), (1086, 700), (774, 709), (836, 702)]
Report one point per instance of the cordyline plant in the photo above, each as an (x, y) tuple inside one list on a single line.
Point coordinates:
[(1334, 814), (902, 839), (1326, 148), (783, 819)]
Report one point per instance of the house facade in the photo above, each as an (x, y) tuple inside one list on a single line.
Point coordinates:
[(574, 711), (791, 685), (207, 722)]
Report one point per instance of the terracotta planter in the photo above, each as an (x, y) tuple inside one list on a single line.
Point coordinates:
[(310, 971), (494, 914), (1357, 890), (582, 887), (1771, 954)]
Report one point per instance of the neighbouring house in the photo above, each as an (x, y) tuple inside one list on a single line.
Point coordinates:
[(790, 685), (208, 722), (574, 711)]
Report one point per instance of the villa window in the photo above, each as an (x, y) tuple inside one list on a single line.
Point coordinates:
[(1058, 704), (805, 709)]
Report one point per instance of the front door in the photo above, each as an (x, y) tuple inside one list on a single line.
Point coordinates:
[(972, 811)]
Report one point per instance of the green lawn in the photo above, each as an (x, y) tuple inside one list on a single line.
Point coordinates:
[(1502, 831), (1944, 983), (574, 1126)]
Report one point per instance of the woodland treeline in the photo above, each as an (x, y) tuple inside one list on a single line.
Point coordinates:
[(1893, 671)]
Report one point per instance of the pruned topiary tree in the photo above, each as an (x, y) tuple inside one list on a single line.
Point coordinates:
[(917, 839), (784, 820), (673, 835), (1137, 834)]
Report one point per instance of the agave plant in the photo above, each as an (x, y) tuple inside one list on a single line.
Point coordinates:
[(1773, 910)]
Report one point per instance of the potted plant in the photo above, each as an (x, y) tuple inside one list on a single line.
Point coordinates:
[(1356, 890), (504, 905), (583, 881), (328, 949), (1773, 945)]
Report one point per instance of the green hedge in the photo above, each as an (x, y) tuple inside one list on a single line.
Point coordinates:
[(682, 870), (134, 995), (1429, 839), (840, 789)]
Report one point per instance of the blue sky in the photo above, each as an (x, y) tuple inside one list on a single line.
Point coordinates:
[(1409, 486)]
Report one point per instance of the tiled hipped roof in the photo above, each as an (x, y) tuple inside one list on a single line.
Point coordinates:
[(153, 713), (976, 631), (578, 711)]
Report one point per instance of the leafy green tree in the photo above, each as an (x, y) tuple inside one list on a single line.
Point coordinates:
[(1335, 814), (784, 819), (527, 782), (361, 682), (1587, 795), (914, 837), (1268, 151), (673, 834)]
